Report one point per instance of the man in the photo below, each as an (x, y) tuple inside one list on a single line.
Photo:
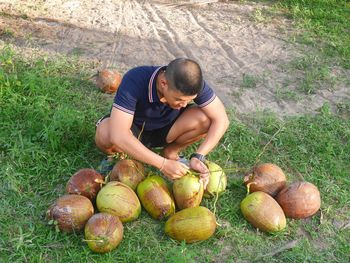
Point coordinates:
[(151, 109)]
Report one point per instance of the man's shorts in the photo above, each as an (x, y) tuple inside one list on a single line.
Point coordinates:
[(151, 139)]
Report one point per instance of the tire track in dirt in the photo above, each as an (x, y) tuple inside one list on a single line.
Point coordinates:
[(226, 48), (169, 34), (135, 35), (195, 41), (117, 43), (152, 32)]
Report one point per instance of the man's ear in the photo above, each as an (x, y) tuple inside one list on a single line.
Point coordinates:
[(163, 83)]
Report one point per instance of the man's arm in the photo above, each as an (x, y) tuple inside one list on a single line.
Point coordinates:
[(219, 123), (121, 136)]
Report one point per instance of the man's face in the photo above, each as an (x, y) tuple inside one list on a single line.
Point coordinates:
[(175, 99)]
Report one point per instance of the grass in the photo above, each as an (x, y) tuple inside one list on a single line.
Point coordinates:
[(249, 81), (324, 24), (283, 93), (323, 29), (48, 110), (327, 21)]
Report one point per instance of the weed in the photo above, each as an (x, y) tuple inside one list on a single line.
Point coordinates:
[(249, 81), (315, 72), (286, 94), (6, 32)]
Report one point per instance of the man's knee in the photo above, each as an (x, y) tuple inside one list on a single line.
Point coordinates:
[(102, 137), (203, 122)]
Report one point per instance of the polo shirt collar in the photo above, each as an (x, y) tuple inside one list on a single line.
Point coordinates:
[(152, 85)]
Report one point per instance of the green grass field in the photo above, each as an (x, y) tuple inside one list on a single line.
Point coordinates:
[(48, 109), (48, 113)]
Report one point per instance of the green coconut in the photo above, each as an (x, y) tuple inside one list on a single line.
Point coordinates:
[(103, 232), (263, 212), (156, 197), (118, 199), (191, 224), (188, 191), (217, 180)]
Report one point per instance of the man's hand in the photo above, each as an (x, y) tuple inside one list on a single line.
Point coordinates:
[(200, 167), (174, 169)]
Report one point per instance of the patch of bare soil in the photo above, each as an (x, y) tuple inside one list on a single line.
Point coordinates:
[(242, 57)]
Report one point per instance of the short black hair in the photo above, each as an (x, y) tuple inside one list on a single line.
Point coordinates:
[(185, 75)]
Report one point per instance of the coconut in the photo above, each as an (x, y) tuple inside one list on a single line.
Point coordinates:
[(191, 225), (267, 177), (156, 197), (188, 191), (263, 212), (86, 182), (71, 212), (118, 199), (217, 180), (108, 80), (103, 232), (129, 172), (299, 200)]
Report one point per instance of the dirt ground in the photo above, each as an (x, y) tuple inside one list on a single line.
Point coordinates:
[(243, 57)]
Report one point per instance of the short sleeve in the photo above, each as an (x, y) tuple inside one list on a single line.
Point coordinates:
[(205, 96), (127, 96)]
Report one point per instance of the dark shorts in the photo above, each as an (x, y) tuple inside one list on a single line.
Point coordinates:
[(151, 139)]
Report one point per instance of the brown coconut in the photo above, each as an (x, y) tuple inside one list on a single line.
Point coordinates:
[(86, 182), (267, 177), (108, 80), (263, 212), (299, 200), (103, 232), (129, 172), (71, 212)]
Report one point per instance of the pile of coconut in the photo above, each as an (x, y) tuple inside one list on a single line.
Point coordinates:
[(118, 199), (270, 200)]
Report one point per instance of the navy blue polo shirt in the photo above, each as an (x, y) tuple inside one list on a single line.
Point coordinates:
[(137, 95)]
